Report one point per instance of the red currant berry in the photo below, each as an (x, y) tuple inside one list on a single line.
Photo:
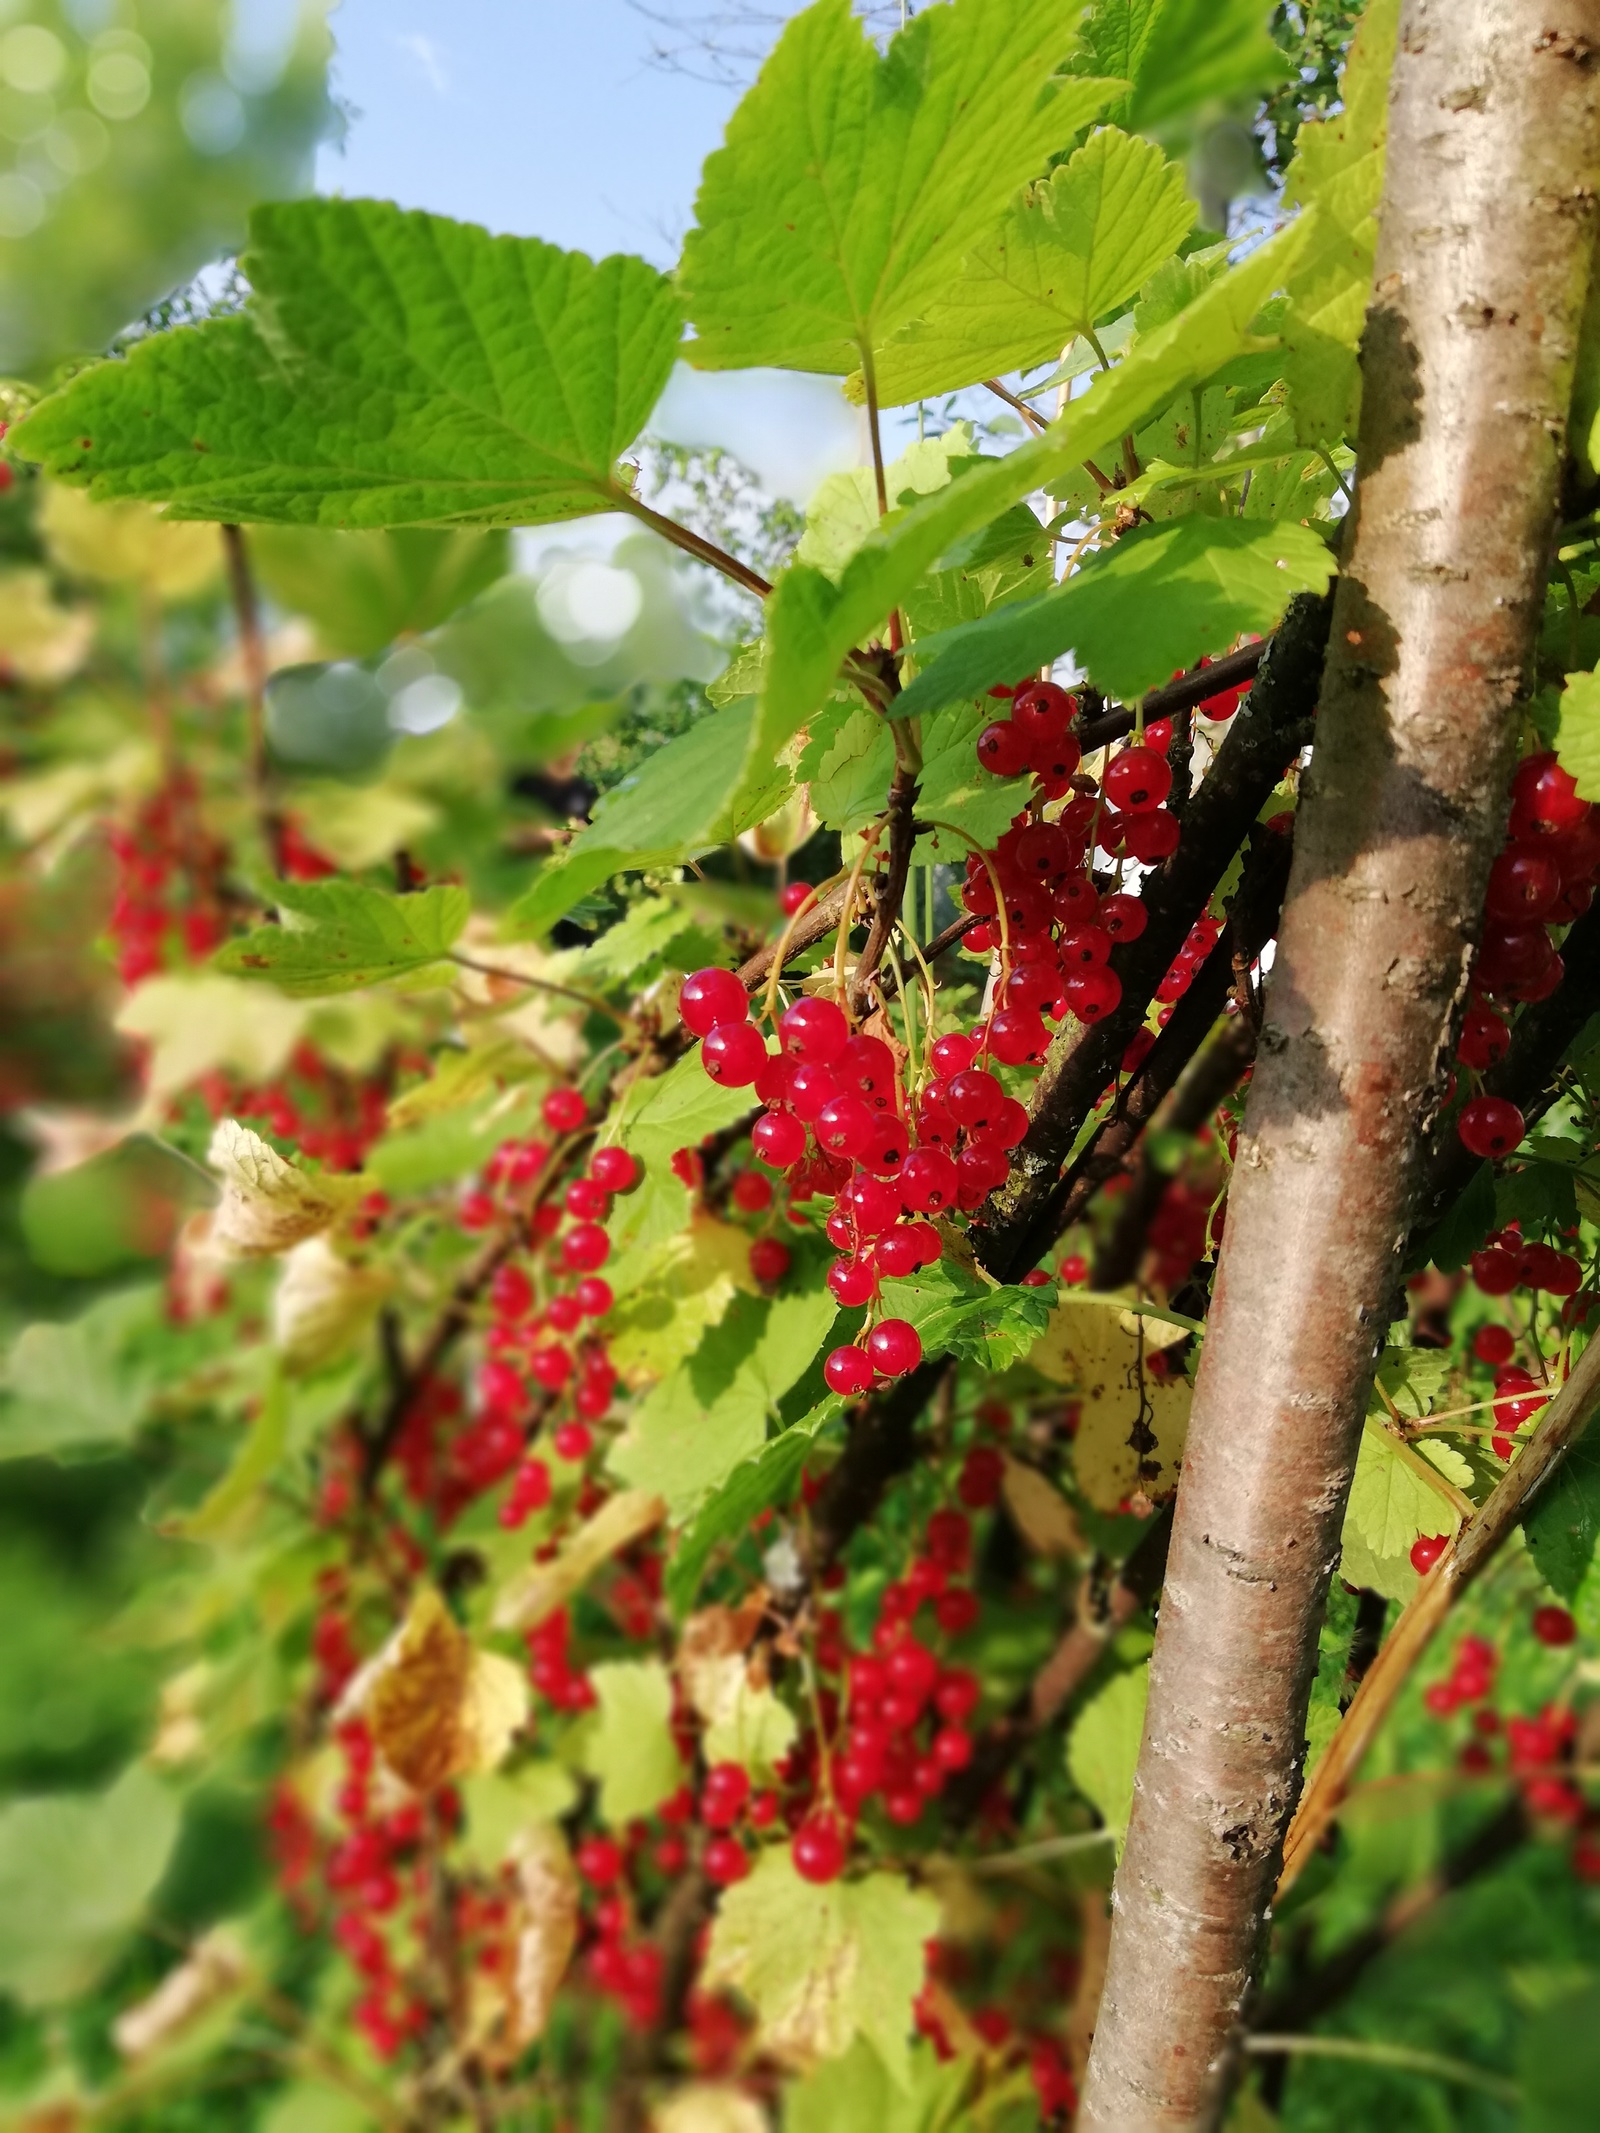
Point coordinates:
[(1485, 1040), (848, 1371), (951, 1054), (1123, 917), (793, 897), (614, 1169), (751, 1193), (585, 1248), (1426, 1550), (510, 1293), (710, 997), (844, 1126), (572, 1441), (1002, 750), (819, 1848), (1490, 1126), (600, 1861), (1138, 780), (779, 1139), (928, 1181), (733, 1054), (814, 1029), (1554, 1626), (1494, 1345), (564, 1111), (852, 1282), (894, 1346), (769, 1259), (726, 1861)]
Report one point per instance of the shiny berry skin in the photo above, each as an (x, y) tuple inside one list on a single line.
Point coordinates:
[(600, 1861), (1138, 780), (1041, 712), (897, 1252), (1074, 1270), (819, 1849), (1490, 1126), (733, 1054), (871, 1204), (848, 1371), (510, 1293), (551, 1367), (956, 1696), (866, 1069), (980, 1170), (852, 1282), (710, 997), (726, 1861), (1523, 886), (1485, 1039), (1495, 1271), (1087, 947), (1094, 993), (586, 1200), (779, 1139), (844, 1126), (1123, 917), (952, 1748), (1554, 1626), (1494, 1345), (894, 1346), (793, 897), (563, 1314), (1547, 793), (751, 1193), (1557, 1273), (572, 1442), (982, 1471), (1004, 1128), (1150, 837), (585, 1248), (769, 1259), (810, 1089), (1002, 750), (973, 1097), (614, 1168), (1015, 1036), (887, 1147), (1518, 1397), (723, 1795), (564, 1111), (951, 1054), (814, 1029), (928, 1181), (1426, 1550)]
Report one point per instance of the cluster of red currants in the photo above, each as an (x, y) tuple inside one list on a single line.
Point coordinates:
[(166, 906), (1544, 878)]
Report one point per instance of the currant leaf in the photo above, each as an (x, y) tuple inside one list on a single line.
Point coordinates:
[(339, 936), (393, 369)]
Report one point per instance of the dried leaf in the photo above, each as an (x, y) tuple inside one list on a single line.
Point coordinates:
[(541, 1589), (212, 1969), (1042, 1515), (323, 1305), (708, 1639), (546, 1932), (267, 1204), (1131, 1425), (436, 1705)]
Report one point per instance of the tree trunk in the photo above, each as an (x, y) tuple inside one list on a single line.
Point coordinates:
[(1487, 231)]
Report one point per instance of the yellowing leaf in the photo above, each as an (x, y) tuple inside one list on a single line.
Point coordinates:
[(323, 1305), (267, 1203), (127, 544), (1042, 1515), (709, 2107), (41, 642), (197, 1021), (693, 1279), (1103, 1751), (1578, 735), (360, 826), (212, 1971), (436, 1705), (545, 1932), (821, 1965), (629, 1748), (1131, 1425), (503, 1805), (544, 1587)]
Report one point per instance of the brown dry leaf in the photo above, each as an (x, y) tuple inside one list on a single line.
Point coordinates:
[(212, 1969), (1042, 1515), (709, 1640), (437, 1706), (541, 1589), (1132, 1427), (267, 1204), (510, 2012)]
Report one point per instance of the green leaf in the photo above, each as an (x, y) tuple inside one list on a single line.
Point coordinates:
[(1578, 734), (315, 2107), (845, 508), (689, 796), (1338, 171), (823, 1965), (1103, 1749), (363, 590), (855, 2094), (1180, 54), (1391, 1503), (957, 1314), (1558, 2061), (1564, 1523), (1464, 1226), (849, 761), (338, 936), (758, 1485), (629, 1749), (1413, 1378), (1541, 1196), (813, 623), (77, 1386), (662, 1113), (1070, 252), (500, 1805), (754, 1729), (712, 1414), (851, 185), (1151, 604), (1007, 560), (640, 938), (955, 788), (76, 1871), (393, 369)]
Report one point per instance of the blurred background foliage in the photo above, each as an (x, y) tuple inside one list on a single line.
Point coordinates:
[(439, 701)]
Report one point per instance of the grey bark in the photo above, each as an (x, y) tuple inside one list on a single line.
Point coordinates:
[(1487, 231)]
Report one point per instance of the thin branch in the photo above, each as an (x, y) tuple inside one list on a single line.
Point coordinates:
[(695, 544), (1404, 2058), (1197, 687), (890, 893), (1030, 416), (591, 1000), (253, 660), (1463, 1562)]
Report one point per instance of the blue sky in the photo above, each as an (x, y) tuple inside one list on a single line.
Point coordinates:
[(545, 118)]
